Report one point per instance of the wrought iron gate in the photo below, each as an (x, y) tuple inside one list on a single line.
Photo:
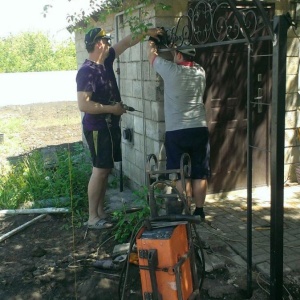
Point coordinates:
[(211, 24)]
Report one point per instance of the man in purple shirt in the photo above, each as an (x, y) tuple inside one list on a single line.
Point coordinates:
[(99, 98)]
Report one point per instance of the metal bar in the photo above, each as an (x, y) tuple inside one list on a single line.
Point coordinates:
[(192, 259), (240, 19), (46, 210), (152, 203), (260, 149), (277, 155), (266, 104), (22, 227), (249, 170), (178, 282), (152, 263), (263, 55), (223, 43), (264, 16)]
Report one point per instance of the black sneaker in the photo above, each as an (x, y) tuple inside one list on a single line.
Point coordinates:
[(201, 214)]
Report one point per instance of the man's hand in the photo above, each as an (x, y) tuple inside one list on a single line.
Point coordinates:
[(155, 34), (118, 109), (152, 51)]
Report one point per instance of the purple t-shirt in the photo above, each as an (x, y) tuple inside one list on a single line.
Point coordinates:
[(100, 80)]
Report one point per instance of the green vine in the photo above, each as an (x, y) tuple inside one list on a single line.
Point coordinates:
[(82, 21)]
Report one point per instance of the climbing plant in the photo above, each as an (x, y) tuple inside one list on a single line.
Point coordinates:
[(99, 10)]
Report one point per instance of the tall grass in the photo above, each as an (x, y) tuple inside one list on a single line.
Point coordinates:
[(28, 181)]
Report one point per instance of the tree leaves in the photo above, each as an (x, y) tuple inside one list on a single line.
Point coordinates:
[(34, 52)]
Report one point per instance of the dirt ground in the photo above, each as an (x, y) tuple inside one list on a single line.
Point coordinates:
[(50, 259)]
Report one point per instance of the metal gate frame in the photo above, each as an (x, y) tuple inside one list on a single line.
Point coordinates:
[(242, 24)]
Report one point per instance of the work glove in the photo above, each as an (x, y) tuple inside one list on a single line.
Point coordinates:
[(160, 40)]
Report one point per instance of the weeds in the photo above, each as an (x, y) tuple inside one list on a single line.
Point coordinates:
[(29, 182), (126, 220)]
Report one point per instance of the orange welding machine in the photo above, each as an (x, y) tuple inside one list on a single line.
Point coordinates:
[(165, 264)]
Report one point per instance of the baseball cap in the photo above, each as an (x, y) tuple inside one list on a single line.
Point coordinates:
[(95, 33), (190, 52)]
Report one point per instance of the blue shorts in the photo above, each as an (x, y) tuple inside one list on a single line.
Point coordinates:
[(105, 146), (195, 142)]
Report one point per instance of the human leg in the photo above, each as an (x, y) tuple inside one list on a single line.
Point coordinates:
[(199, 187), (200, 156), (101, 144), (96, 194)]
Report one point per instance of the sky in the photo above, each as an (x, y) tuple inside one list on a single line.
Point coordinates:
[(17, 16)]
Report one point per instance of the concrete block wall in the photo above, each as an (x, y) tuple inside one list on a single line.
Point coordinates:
[(138, 86), (292, 116), (292, 108), (142, 89)]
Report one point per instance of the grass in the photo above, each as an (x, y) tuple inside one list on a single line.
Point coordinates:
[(10, 128), (126, 222), (28, 182), (11, 125)]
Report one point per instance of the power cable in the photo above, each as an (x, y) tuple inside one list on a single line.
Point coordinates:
[(126, 265)]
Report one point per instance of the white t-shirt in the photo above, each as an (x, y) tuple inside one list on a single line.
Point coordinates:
[(183, 94)]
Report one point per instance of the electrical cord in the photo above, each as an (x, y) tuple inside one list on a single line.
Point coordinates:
[(126, 265), (108, 119), (104, 243)]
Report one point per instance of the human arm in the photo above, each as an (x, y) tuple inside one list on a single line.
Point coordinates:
[(131, 40), (152, 51), (85, 104)]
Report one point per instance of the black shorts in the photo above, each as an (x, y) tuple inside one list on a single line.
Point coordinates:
[(105, 146), (195, 142)]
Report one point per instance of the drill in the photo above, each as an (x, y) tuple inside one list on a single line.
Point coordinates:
[(130, 108)]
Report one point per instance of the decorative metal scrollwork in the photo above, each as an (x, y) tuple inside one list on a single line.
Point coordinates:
[(216, 22)]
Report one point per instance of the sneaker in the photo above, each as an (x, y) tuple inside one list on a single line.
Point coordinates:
[(201, 214)]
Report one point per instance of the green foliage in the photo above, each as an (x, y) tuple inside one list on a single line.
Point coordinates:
[(83, 21), (30, 182), (127, 221), (11, 125), (34, 52), (139, 24)]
